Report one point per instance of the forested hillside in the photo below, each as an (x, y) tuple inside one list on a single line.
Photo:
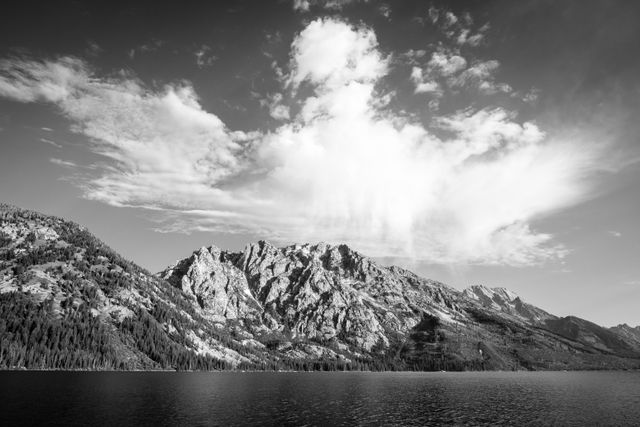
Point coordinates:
[(70, 302)]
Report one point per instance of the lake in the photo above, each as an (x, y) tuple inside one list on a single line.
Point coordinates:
[(319, 398)]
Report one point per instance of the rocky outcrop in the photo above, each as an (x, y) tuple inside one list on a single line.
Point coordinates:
[(323, 292), (219, 288), (508, 303)]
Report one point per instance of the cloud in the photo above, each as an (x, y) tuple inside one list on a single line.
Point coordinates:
[(450, 19), (458, 29), (161, 142), (334, 5), (434, 14), (277, 109), (302, 5), (449, 69), (344, 167), (480, 75), (50, 142), (385, 10), (531, 97), (331, 53), (29, 81), (64, 163), (614, 233), (465, 37), (414, 55), (446, 65), (203, 55), (93, 48), (423, 86), (151, 46)]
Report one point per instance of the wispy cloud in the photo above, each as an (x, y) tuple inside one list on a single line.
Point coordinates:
[(459, 29), (150, 46), (203, 55), (50, 142), (614, 233), (448, 69), (301, 5), (93, 48), (277, 109), (64, 163), (423, 86), (334, 5), (343, 167), (385, 10)]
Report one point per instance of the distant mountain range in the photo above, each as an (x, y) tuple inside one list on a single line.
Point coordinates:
[(67, 301)]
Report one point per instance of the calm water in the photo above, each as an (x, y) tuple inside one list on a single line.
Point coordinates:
[(233, 398)]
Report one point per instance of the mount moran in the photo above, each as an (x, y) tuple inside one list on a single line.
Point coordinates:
[(67, 301)]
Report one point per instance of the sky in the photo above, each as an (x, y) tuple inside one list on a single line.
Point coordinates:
[(491, 142)]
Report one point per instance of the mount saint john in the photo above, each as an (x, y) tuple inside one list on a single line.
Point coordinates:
[(67, 301)]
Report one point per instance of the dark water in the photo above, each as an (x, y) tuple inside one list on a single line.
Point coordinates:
[(234, 398)]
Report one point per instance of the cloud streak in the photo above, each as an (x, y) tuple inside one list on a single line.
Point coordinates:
[(50, 142), (341, 166)]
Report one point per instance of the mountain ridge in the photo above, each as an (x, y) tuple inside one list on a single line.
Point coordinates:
[(311, 306)]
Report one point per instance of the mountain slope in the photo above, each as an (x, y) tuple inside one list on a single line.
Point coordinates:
[(631, 335), (506, 302), (320, 292), (351, 306), (570, 327), (67, 301)]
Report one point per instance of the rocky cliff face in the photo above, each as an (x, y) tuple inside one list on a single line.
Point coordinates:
[(219, 288), (322, 292)]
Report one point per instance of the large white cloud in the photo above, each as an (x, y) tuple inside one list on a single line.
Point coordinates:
[(343, 168), (331, 53)]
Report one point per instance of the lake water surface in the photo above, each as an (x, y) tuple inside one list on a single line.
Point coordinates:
[(257, 398)]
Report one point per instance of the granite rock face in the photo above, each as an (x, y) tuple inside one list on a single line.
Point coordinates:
[(220, 289), (322, 292), (506, 302)]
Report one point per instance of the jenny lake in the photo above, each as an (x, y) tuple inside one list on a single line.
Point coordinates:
[(236, 398)]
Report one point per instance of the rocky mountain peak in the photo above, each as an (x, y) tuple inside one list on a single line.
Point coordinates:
[(484, 293), (328, 292), (629, 333), (508, 302)]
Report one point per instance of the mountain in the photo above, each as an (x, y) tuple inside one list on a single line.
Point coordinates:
[(624, 341), (629, 334), (67, 301)]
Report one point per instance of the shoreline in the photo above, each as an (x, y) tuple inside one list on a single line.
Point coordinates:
[(238, 371)]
